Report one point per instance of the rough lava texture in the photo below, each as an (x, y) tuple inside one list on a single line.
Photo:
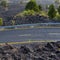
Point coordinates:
[(32, 51)]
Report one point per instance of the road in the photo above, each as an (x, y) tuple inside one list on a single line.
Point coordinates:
[(34, 34)]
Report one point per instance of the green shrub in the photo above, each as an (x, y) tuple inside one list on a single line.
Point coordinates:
[(31, 5), (1, 21), (27, 12), (4, 3), (43, 13), (13, 22), (52, 11), (58, 9), (40, 8), (57, 17)]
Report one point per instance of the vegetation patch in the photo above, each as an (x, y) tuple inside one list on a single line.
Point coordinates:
[(26, 12)]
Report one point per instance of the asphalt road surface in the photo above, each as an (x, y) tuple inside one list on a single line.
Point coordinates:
[(34, 34)]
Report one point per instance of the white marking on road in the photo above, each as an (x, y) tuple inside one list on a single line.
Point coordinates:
[(25, 35), (54, 33)]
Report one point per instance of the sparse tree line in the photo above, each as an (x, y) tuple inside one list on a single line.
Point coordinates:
[(52, 12), (32, 9)]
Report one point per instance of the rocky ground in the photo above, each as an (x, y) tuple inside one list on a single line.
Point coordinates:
[(32, 51)]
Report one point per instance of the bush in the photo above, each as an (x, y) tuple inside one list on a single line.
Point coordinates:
[(1, 21), (29, 12), (13, 22), (43, 13), (58, 9), (57, 17), (31, 5), (26, 12), (52, 11), (4, 3), (40, 8)]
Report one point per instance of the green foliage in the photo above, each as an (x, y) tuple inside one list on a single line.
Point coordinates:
[(4, 3), (1, 21), (57, 17), (43, 13), (29, 12), (58, 9), (40, 8), (52, 11), (13, 22), (31, 5), (26, 12)]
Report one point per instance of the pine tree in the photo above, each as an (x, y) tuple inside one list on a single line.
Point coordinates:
[(52, 11), (31, 5)]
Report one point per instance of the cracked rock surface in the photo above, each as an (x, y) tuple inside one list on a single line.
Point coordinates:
[(31, 51)]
